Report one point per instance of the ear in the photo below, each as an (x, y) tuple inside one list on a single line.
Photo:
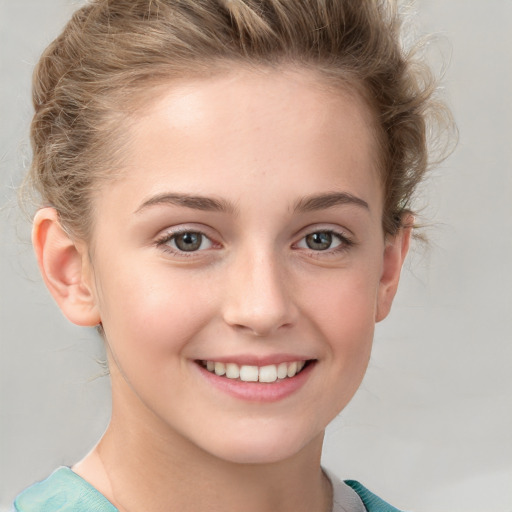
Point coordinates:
[(65, 268), (395, 252)]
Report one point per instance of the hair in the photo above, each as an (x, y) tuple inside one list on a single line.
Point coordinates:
[(112, 54)]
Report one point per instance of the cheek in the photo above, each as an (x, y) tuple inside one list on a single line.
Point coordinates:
[(149, 314), (345, 305), (343, 313)]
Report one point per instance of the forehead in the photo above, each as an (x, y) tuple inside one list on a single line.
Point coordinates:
[(259, 128), (242, 98)]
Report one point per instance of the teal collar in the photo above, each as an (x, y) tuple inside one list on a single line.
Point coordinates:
[(371, 502)]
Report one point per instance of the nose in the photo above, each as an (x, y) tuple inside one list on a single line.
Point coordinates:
[(258, 299)]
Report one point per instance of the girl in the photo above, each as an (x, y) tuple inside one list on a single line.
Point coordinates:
[(226, 190)]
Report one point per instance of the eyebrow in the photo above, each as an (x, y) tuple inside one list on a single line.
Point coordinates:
[(324, 201), (189, 201), (306, 204)]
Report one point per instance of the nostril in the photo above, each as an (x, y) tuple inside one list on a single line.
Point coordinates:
[(259, 330), (258, 302)]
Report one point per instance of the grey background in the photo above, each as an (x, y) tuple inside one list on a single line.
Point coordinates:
[(431, 427)]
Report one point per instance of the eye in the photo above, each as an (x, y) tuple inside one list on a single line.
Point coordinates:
[(186, 241), (322, 241)]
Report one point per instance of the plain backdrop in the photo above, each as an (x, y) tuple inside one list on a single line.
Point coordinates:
[(431, 427)]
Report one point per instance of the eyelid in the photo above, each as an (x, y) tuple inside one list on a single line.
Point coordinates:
[(319, 227), (187, 227)]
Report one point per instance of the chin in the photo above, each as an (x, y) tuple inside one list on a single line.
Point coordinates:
[(264, 446)]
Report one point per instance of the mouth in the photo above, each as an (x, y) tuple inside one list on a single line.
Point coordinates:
[(249, 373)]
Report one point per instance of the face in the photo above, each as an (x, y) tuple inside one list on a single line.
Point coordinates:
[(244, 237)]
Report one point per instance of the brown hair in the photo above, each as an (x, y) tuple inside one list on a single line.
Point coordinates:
[(113, 51)]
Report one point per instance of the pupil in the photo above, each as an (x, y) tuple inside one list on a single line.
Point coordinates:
[(319, 241), (189, 241)]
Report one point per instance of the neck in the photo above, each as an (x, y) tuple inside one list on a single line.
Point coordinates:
[(141, 468)]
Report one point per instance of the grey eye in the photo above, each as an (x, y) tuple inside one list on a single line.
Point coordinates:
[(189, 241), (320, 241)]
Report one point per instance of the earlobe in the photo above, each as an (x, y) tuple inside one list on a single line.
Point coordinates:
[(394, 256), (61, 262)]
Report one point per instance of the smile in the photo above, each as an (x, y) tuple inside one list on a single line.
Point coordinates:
[(248, 373)]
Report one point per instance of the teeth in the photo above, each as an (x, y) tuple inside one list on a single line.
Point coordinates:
[(292, 369), (232, 371), (268, 373), (249, 373), (282, 371), (246, 373), (220, 368)]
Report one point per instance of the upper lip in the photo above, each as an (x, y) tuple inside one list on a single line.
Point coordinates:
[(257, 360)]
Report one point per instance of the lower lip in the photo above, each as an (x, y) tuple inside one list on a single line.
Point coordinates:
[(259, 391)]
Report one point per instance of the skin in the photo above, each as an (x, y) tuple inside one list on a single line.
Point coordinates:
[(259, 143)]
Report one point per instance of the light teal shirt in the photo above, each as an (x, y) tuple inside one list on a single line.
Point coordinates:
[(65, 491), (62, 491)]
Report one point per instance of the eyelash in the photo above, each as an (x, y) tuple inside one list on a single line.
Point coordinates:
[(345, 243)]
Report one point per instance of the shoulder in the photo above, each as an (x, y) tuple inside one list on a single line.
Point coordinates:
[(372, 502), (62, 491)]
